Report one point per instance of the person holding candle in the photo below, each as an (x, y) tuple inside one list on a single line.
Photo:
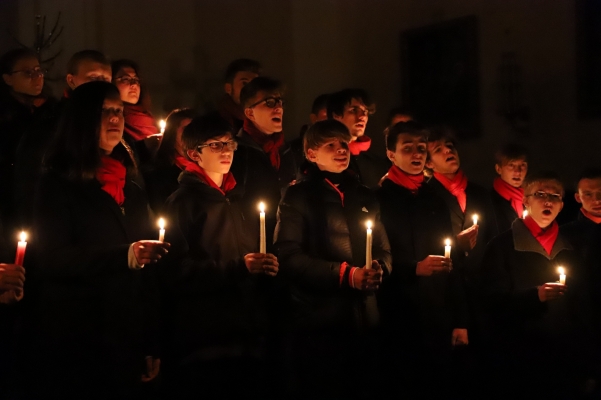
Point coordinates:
[(539, 337), (507, 194), (423, 305), (214, 286), (96, 313), (170, 160), (320, 240)]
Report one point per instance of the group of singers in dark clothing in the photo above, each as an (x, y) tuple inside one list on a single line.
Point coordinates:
[(458, 294)]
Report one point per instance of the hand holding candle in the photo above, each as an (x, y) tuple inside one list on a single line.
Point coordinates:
[(161, 230), (263, 239), (368, 246)]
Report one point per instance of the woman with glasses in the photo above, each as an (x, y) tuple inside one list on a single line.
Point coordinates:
[(140, 125), (94, 269), (21, 105), (215, 312)]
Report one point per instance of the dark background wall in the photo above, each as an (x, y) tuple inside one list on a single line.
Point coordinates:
[(317, 46)]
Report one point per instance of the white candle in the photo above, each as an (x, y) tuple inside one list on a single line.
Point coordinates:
[(447, 248), (562, 275), (161, 230), (368, 246), (525, 214), (475, 219), (263, 242), (21, 246), (162, 125)]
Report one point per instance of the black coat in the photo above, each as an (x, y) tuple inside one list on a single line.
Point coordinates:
[(161, 182), (212, 302), (416, 226), (316, 232), (504, 212), (96, 317), (369, 167)]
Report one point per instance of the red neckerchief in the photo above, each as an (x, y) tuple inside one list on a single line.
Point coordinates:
[(408, 181), (456, 186), (228, 179), (229, 110), (512, 194), (361, 144), (270, 143), (182, 162), (546, 237), (111, 175), (139, 123), (596, 220)]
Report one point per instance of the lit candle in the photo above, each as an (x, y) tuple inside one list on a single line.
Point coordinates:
[(368, 246), (161, 230), (162, 124), (475, 219), (562, 275), (21, 249), (525, 214), (447, 248), (263, 242)]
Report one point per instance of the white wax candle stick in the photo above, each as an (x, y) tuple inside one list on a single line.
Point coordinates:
[(263, 240), (368, 246), (562, 275), (447, 248), (161, 230), (21, 246)]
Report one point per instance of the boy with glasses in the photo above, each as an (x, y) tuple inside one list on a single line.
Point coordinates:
[(538, 341), (214, 306)]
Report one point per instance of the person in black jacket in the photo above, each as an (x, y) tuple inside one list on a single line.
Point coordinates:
[(423, 304), (215, 311), (507, 193), (352, 107), (320, 240), (95, 307), (539, 337), (170, 160)]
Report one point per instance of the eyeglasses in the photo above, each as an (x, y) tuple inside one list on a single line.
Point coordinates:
[(217, 147), (128, 80), (271, 102), (31, 73), (552, 197)]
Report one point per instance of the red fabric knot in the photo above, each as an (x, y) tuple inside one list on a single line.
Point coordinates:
[(408, 181), (111, 175), (512, 194), (228, 179), (546, 237), (270, 143), (455, 186), (363, 143)]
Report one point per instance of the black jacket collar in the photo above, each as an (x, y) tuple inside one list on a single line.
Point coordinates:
[(524, 241)]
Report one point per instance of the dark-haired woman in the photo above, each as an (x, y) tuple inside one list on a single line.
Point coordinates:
[(91, 219), (21, 103), (170, 160), (140, 126)]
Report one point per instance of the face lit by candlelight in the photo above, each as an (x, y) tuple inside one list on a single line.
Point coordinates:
[(513, 172), (332, 156), (443, 157), (128, 83), (88, 71), (410, 154), (543, 201), (589, 195), (355, 117), (111, 124), (267, 119), (240, 80), (26, 77), (214, 162)]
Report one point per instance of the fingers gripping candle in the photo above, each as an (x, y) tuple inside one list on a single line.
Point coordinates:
[(263, 242)]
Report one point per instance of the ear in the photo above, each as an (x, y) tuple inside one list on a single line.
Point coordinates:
[(193, 155), (390, 155), (248, 113), (7, 79), (577, 197), (311, 156), (313, 118), (229, 89), (498, 169), (337, 117), (71, 81)]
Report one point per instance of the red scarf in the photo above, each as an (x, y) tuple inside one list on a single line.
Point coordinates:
[(361, 144), (229, 110), (139, 123), (456, 186), (228, 179), (401, 178), (512, 194), (270, 143), (596, 220), (111, 175), (546, 237), (182, 162)]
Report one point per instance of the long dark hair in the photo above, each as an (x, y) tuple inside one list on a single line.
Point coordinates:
[(75, 152), (166, 153)]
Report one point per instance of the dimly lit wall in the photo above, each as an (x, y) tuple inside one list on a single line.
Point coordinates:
[(318, 46)]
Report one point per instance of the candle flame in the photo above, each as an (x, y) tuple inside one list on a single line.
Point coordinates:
[(447, 242), (262, 206), (561, 271), (161, 223), (475, 219), (368, 224), (525, 214), (23, 236), (162, 124)]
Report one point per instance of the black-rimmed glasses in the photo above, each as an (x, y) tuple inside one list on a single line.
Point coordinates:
[(129, 80), (271, 102), (552, 197), (31, 73), (217, 147)]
